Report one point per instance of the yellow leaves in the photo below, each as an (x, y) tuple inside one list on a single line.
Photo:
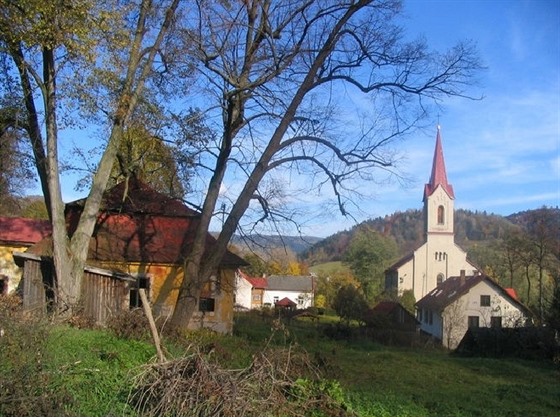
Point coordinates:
[(48, 24)]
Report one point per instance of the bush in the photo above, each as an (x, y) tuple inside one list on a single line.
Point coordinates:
[(27, 387), (130, 324)]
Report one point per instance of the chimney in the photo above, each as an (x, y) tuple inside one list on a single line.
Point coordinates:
[(462, 278)]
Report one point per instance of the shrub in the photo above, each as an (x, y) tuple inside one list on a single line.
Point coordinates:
[(27, 385), (130, 324)]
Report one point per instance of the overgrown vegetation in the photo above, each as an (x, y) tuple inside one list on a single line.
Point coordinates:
[(268, 368)]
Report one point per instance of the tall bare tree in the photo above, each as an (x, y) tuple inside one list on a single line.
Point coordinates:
[(276, 70), (50, 42)]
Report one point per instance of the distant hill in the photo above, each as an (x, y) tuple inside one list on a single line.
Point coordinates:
[(407, 228), (270, 243)]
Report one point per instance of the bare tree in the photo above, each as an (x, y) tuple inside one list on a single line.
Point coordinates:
[(274, 70), (454, 323)]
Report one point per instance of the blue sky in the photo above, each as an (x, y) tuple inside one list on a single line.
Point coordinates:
[(502, 153)]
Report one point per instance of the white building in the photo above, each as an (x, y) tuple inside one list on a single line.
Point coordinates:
[(254, 292), (463, 302), (439, 257)]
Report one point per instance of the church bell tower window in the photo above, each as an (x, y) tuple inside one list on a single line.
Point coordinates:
[(440, 215)]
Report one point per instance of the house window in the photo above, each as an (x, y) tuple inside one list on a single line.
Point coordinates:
[(484, 301), (440, 215), (300, 300), (256, 297), (206, 304), (473, 322), (142, 282), (496, 322), (276, 299), (439, 278)]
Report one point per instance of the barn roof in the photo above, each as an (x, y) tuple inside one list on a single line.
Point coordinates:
[(131, 228), (23, 231), (136, 197)]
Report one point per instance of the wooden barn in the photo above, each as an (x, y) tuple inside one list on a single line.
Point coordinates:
[(140, 241), (104, 292)]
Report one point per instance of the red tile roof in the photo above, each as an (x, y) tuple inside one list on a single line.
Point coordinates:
[(256, 282), (439, 175), (135, 196), (285, 302), (23, 231), (145, 226)]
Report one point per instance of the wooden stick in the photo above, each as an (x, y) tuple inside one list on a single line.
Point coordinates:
[(153, 328)]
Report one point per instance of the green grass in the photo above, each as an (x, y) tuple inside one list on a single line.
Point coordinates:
[(390, 381), (96, 368), (329, 268)]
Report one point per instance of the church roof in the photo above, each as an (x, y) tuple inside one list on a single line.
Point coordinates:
[(439, 175)]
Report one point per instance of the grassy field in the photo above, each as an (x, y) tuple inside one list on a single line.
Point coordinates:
[(89, 372), (391, 381)]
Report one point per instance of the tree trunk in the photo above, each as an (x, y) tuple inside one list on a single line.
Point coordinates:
[(68, 279)]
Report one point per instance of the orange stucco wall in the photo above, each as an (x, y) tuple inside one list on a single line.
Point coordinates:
[(165, 281), (8, 267)]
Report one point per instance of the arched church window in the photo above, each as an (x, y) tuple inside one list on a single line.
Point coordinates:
[(439, 278), (440, 215)]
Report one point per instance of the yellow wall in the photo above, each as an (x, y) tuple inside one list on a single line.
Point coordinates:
[(8, 267), (165, 281)]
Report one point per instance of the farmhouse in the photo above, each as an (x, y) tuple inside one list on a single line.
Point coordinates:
[(439, 257), (16, 235), (251, 292), (140, 240), (464, 302)]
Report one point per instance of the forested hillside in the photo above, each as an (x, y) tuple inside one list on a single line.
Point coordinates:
[(407, 229)]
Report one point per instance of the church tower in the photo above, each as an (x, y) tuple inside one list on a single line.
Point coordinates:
[(438, 217), (439, 257)]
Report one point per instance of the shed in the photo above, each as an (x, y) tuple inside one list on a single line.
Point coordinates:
[(104, 292)]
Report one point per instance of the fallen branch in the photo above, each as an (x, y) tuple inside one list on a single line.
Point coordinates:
[(153, 328)]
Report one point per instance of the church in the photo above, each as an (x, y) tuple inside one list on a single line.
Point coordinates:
[(439, 257)]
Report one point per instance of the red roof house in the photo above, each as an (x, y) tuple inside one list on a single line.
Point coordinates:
[(16, 235), (146, 235)]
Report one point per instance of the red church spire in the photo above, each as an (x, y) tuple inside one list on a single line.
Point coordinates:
[(439, 176)]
